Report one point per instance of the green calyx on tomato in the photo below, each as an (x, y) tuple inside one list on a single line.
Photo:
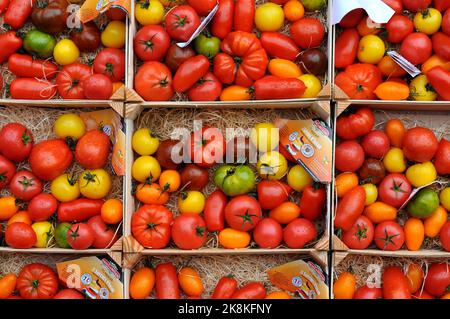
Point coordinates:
[(61, 235), (39, 43), (234, 180), (423, 204), (207, 45)]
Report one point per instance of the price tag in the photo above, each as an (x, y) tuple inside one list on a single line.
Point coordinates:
[(377, 10), (404, 64)]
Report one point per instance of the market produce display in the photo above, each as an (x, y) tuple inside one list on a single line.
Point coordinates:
[(419, 31), (57, 185), (249, 50), (391, 182), (46, 55), (196, 202)]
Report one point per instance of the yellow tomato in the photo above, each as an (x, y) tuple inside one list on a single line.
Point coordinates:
[(444, 197), (298, 178), (371, 193), (66, 52), (371, 49), (95, 184), (144, 142), (44, 233), (149, 12), (421, 89), (265, 136), (272, 165), (421, 174), (394, 161), (69, 125), (313, 85), (428, 21), (65, 188), (284, 68), (114, 35), (269, 17), (146, 168), (191, 202)]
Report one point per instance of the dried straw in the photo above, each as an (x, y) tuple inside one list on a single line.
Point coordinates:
[(13, 263)]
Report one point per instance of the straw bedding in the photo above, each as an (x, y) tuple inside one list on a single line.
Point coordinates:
[(13, 263)]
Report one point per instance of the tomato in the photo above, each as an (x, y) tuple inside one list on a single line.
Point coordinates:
[(113, 36), (207, 45), (20, 217), (416, 48), (16, 142), (440, 80), (23, 65), (375, 144), (193, 177), (44, 233), (61, 235), (285, 212), (112, 211), (437, 279), (170, 181), (222, 22), (79, 210), (42, 206), (265, 136), (352, 18), (207, 146), (415, 275), (151, 43), (389, 236), (398, 28), (69, 125), (395, 284), (434, 61), (421, 174), (421, 89), (366, 292), (25, 185), (441, 43), (349, 208), (389, 68), (144, 142), (190, 281), (268, 17), (298, 178), (166, 282), (235, 93), (37, 281), (379, 212), (428, 21), (86, 37), (394, 161), (416, 5), (170, 154), (345, 182), (110, 62), (95, 184), (367, 26), (293, 10), (7, 285), (69, 81), (243, 213), (268, 233), (360, 235), (175, 56), (272, 87), (189, 231), (313, 85), (391, 90), (142, 283), (422, 295), (434, 223), (181, 22), (272, 165), (271, 194), (145, 168), (346, 48), (279, 45), (371, 193), (349, 156), (31, 89), (150, 225), (441, 5), (153, 82), (396, 5), (414, 233), (207, 88), (225, 288), (355, 125), (68, 294), (149, 12), (420, 144), (97, 87), (214, 211), (359, 81), (20, 235), (394, 190), (232, 239), (444, 236), (65, 52), (345, 286), (104, 236), (65, 188), (446, 22), (444, 197), (371, 49), (7, 171), (192, 202), (92, 149), (298, 233), (189, 72), (17, 13), (244, 15), (372, 171), (80, 236), (312, 201), (202, 7), (395, 130), (253, 290), (308, 32), (284, 68)]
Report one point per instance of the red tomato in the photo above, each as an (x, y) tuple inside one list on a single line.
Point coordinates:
[(17, 13), (419, 144), (272, 87), (355, 125), (398, 28), (80, 236), (351, 19), (31, 89), (441, 5), (442, 157), (151, 43), (214, 211), (207, 146), (189, 231), (225, 288), (202, 7), (376, 144), (150, 225), (97, 87), (268, 233), (37, 281), (446, 22), (69, 81), (298, 233), (50, 158), (243, 213), (441, 45), (20, 235), (181, 22), (359, 81), (440, 80), (360, 235), (25, 185), (349, 156), (350, 208), (444, 236), (308, 32), (272, 194), (389, 236), (416, 48), (416, 5), (394, 190), (244, 15), (92, 149), (346, 48), (166, 282), (7, 171), (366, 292), (10, 43), (312, 201), (395, 284), (437, 280), (175, 56), (42, 206), (222, 23), (396, 5), (110, 62), (208, 88), (189, 72), (104, 236), (79, 209), (68, 293), (253, 290), (153, 82), (23, 65), (278, 45)]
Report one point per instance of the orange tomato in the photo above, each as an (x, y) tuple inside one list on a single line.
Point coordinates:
[(284, 68), (395, 130), (285, 213), (345, 182), (433, 61), (142, 283), (7, 285), (414, 273), (8, 207), (232, 238), (446, 296), (345, 286), (366, 26), (391, 90), (151, 194), (20, 217), (116, 86), (236, 93), (190, 282), (293, 10), (380, 212), (414, 233), (112, 211), (170, 180), (278, 295), (434, 223), (389, 68)]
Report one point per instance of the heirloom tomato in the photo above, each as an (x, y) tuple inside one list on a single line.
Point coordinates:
[(175, 56), (37, 281), (65, 52), (359, 81), (268, 17), (428, 21), (70, 80), (44, 233), (394, 161), (151, 226), (194, 177), (69, 125), (113, 36), (86, 37), (65, 188), (192, 202), (423, 204)]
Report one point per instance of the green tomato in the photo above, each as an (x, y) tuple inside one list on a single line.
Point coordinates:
[(207, 45), (61, 235), (313, 5), (39, 43), (234, 180), (423, 204)]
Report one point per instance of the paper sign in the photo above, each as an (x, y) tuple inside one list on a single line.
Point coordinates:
[(92, 8), (416, 190), (377, 10), (404, 64)]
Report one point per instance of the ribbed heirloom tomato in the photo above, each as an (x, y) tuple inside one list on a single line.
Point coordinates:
[(69, 81), (37, 281), (150, 225)]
